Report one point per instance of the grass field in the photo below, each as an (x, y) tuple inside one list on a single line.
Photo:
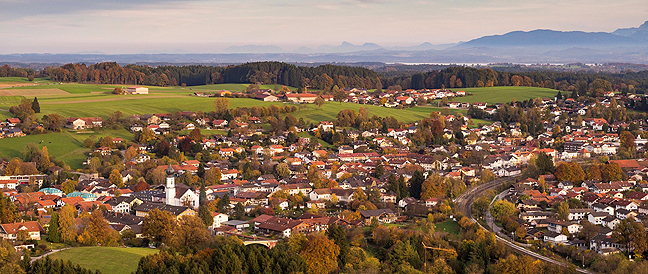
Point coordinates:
[(66, 146), (492, 95), (109, 260), (22, 80), (448, 226)]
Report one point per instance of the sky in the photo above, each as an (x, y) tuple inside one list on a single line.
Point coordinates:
[(209, 26)]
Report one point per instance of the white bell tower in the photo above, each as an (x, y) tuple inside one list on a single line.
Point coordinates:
[(170, 186)]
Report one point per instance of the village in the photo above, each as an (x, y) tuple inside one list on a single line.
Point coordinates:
[(261, 184)]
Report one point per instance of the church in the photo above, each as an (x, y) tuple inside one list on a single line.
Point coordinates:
[(179, 194)]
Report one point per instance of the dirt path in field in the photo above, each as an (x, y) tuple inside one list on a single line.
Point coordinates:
[(134, 97), (33, 92)]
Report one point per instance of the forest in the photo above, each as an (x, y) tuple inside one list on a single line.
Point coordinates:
[(325, 77), (322, 77)]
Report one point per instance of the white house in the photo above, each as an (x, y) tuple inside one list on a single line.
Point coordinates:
[(137, 90), (219, 218)]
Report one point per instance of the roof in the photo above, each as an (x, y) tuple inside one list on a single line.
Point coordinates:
[(375, 212), (175, 210), (13, 228)]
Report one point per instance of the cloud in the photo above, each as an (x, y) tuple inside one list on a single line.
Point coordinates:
[(209, 25)]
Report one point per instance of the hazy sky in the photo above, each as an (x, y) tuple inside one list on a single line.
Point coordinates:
[(203, 26)]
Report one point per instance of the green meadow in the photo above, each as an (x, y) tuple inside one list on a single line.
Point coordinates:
[(66, 145), (108, 260), (492, 95)]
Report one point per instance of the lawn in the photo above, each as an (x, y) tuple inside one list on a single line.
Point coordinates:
[(448, 226), (109, 260), (83, 100), (22, 80), (66, 146), (492, 95)]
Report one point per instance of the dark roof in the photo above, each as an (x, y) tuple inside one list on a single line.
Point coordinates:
[(375, 212), (123, 218), (175, 210)]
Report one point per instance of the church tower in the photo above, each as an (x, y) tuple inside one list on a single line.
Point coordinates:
[(170, 186)]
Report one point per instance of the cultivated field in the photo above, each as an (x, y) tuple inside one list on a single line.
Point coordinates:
[(8, 82), (494, 95), (79, 100), (108, 260), (66, 146)]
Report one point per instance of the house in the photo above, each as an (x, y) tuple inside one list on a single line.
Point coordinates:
[(137, 90), (554, 237), (30, 230), (219, 219), (576, 214), (597, 217), (178, 211), (432, 202), (557, 226), (384, 216), (300, 97), (124, 204)]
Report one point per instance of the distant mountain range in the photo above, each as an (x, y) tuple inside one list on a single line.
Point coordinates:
[(626, 45)]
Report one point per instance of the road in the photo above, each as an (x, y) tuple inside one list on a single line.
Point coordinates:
[(464, 205), (45, 255)]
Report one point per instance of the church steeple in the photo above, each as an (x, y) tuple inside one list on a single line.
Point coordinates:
[(170, 186)]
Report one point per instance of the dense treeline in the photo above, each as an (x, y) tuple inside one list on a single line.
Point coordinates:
[(322, 77), (325, 77), (7, 71), (226, 258), (466, 77), (49, 266)]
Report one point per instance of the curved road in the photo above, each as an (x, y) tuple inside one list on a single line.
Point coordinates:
[(464, 204)]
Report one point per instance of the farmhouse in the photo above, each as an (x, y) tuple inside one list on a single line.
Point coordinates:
[(301, 97), (31, 230), (137, 90)]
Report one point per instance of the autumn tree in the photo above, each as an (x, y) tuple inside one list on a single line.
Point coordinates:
[(570, 172), (116, 178), (68, 186), (97, 231), (315, 177), (320, 253), (212, 176), (131, 153), (191, 232), (319, 101), (593, 172), (501, 209), (612, 172), (159, 226), (519, 265), (9, 259), (107, 141), (628, 141), (67, 223), (282, 170), (145, 135), (632, 235), (563, 211), (195, 135), (338, 94), (433, 186), (221, 105), (158, 176)]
